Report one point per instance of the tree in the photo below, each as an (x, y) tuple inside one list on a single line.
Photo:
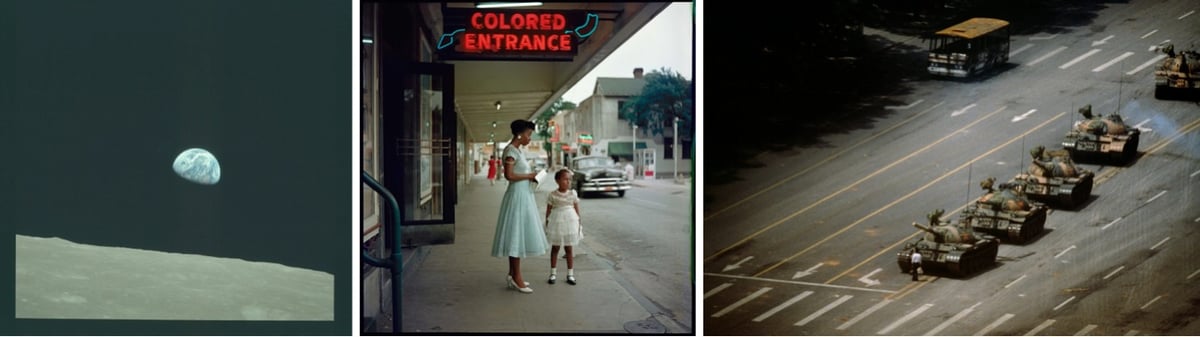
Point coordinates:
[(666, 95), (543, 120)]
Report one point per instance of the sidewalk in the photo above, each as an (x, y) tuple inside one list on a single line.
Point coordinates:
[(461, 288), (685, 183)]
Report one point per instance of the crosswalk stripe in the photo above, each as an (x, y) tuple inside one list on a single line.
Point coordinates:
[(740, 302), (1040, 327), (956, 317), (718, 289), (1080, 58), (827, 308), (864, 314), (1147, 64), (905, 319), (1019, 50), (1131, 333), (1086, 330), (995, 324), (1113, 61), (775, 310), (1048, 55)]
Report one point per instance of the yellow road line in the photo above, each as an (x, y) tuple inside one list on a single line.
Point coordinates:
[(810, 168), (910, 194), (826, 198)]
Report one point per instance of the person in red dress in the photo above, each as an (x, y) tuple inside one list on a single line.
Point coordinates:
[(492, 163)]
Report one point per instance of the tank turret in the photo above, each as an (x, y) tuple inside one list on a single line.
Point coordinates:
[(1102, 137), (1178, 73), (1005, 212), (1054, 178)]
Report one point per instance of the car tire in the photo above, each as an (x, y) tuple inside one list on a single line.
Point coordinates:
[(621, 194)]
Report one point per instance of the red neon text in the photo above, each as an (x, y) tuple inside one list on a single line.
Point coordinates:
[(476, 42), (504, 21)]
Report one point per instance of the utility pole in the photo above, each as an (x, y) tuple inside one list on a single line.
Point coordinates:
[(636, 163), (675, 149)]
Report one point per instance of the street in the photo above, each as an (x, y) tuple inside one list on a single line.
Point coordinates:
[(646, 237), (806, 244)]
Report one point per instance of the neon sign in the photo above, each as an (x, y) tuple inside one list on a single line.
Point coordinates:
[(475, 34)]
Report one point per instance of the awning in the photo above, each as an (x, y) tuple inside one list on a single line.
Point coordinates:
[(623, 149)]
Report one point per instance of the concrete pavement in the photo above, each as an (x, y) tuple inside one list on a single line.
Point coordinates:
[(461, 287)]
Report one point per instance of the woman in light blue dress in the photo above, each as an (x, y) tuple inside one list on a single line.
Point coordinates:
[(519, 229)]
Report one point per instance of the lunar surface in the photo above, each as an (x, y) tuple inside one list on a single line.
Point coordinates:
[(198, 166), (56, 278)]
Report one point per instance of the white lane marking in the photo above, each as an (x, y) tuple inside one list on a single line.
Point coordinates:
[(1014, 281), (956, 317), (864, 314), (1160, 243), (1032, 38), (1193, 274), (995, 324), (1156, 196), (810, 271), (1019, 50), (1150, 33), (903, 107), (799, 282), (741, 302), (1131, 333), (736, 265), (1185, 15), (1139, 125), (1080, 58), (1113, 272), (1048, 55), (1114, 61), (867, 278), (716, 290), (1067, 250), (1147, 64), (1110, 224), (775, 310), (1102, 41), (1086, 330), (904, 319), (1194, 174), (827, 308), (1023, 116), (1040, 327), (1151, 302), (1060, 305), (963, 110)]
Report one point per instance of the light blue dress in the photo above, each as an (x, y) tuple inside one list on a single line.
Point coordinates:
[(519, 229)]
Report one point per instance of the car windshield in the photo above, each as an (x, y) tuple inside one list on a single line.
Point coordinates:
[(593, 162)]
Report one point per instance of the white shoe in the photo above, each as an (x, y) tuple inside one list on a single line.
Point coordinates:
[(513, 284)]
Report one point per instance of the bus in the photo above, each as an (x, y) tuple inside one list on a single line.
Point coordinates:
[(969, 48)]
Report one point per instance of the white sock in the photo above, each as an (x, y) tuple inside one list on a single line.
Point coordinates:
[(553, 271), (570, 272)]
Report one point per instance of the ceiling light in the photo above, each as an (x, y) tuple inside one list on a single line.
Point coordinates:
[(506, 4)]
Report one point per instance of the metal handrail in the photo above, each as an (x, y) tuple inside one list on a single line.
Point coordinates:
[(395, 262)]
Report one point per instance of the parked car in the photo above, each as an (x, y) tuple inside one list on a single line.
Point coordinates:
[(598, 174)]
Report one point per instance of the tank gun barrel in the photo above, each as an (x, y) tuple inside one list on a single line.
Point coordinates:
[(924, 228)]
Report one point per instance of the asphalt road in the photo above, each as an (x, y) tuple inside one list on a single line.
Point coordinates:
[(646, 235), (807, 246)]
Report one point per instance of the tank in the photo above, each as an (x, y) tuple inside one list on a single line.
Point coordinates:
[(1179, 73), (1102, 138), (949, 248), (1053, 178), (1006, 213)]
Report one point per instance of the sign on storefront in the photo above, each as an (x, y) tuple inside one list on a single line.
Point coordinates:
[(494, 34)]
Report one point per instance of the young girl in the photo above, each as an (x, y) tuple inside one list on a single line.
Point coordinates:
[(562, 224)]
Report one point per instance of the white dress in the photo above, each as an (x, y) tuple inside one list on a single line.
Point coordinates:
[(563, 226)]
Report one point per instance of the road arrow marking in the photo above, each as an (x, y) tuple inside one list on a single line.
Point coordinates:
[(866, 278), (810, 271), (1023, 116), (1067, 250), (903, 107), (737, 265), (1102, 41), (963, 110), (1150, 33), (1035, 38)]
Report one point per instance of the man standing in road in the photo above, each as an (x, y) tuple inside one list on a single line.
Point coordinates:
[(916, 264)]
